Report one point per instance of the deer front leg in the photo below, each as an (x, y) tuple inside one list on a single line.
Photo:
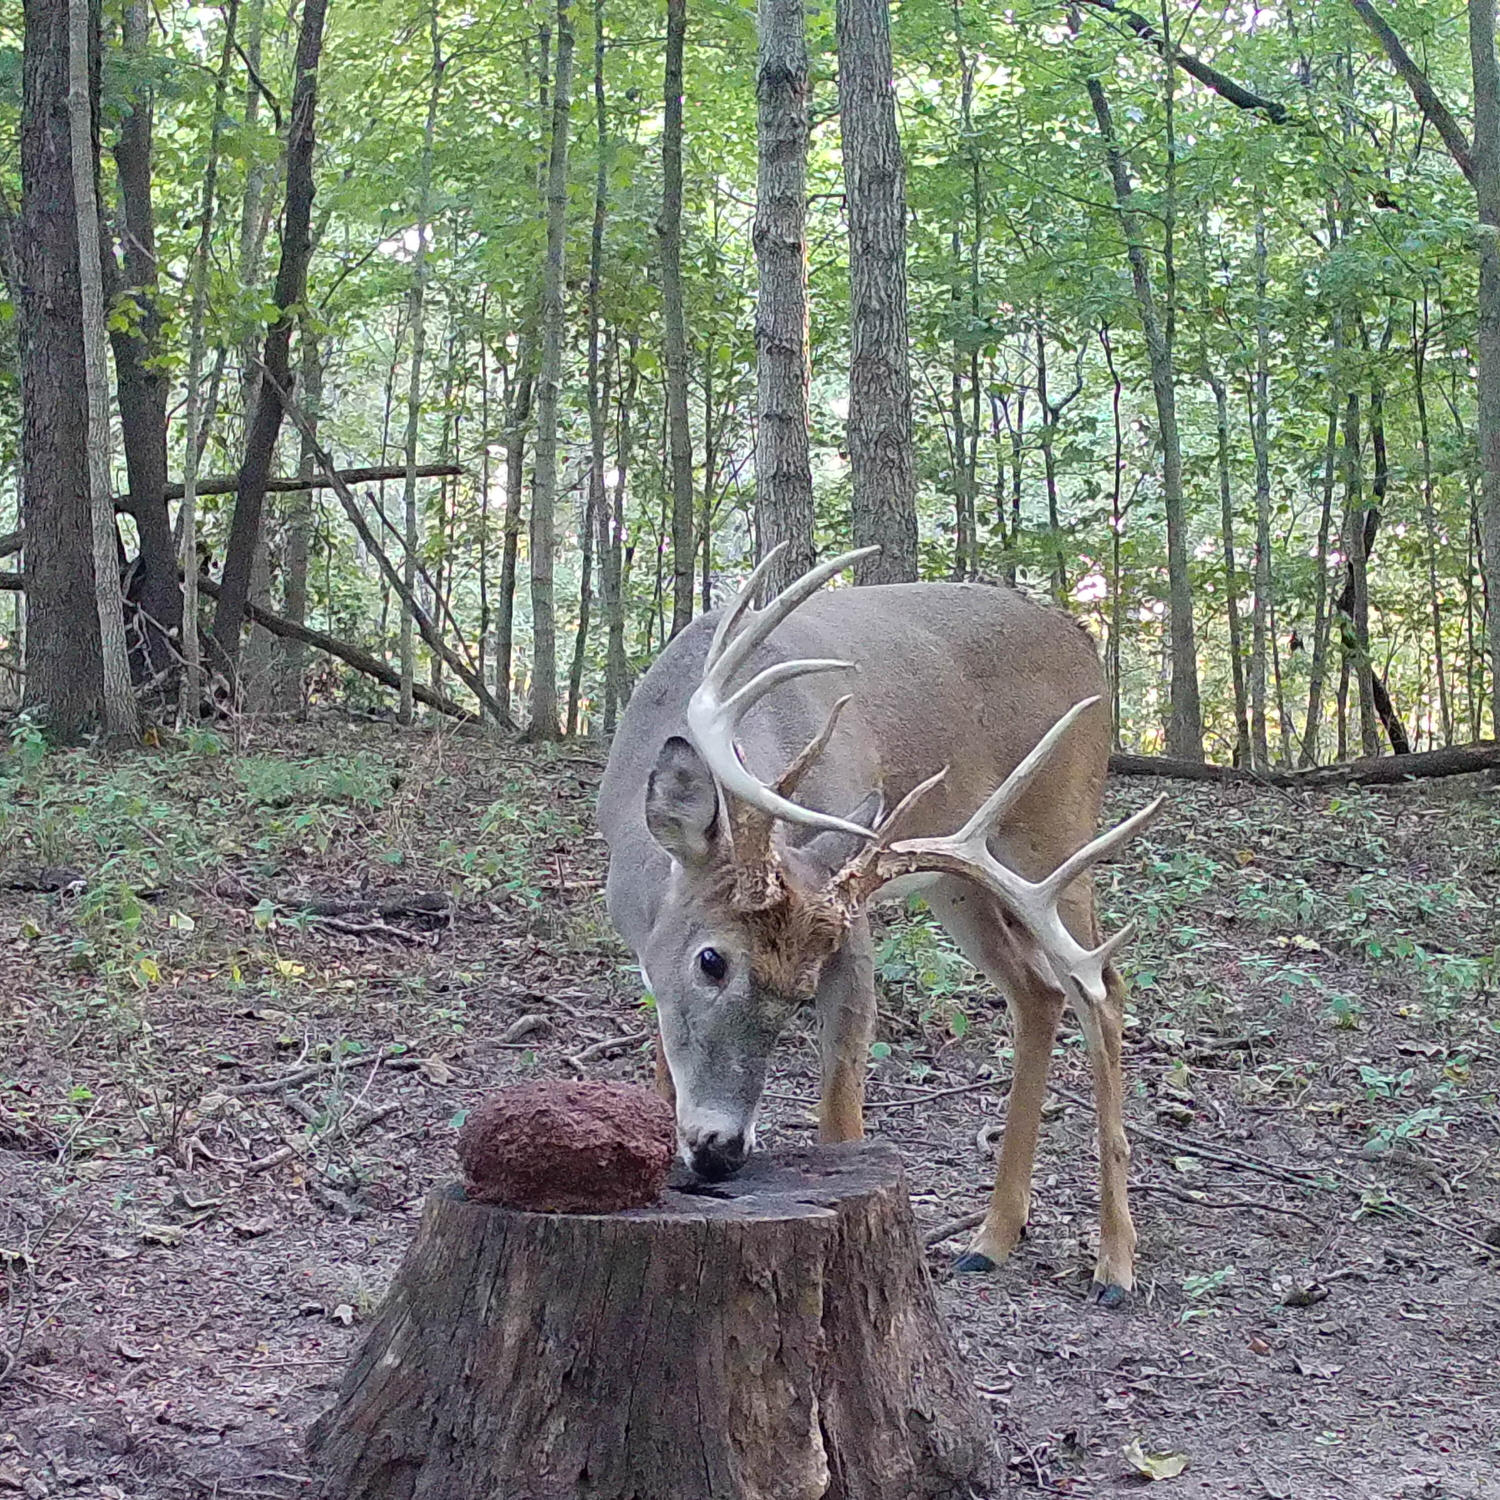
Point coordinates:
[(1035, 1011), (1114, 1271), (845, 1007)]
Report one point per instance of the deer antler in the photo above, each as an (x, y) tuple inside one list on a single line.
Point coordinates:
[(714, 712), (1032, 903)]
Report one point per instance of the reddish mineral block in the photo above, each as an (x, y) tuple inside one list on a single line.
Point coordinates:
[(572, 1148)]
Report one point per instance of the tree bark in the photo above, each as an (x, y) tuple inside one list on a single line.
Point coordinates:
[(192, 690), (1260, 441), (120, 719), (783, 466), (792, 1304), (880, 439), (63, 669), (418, 321), (674, 331), (141, 379), (289, 697), (543, 725), (1185, 720), (1243, 754), (291, 287)]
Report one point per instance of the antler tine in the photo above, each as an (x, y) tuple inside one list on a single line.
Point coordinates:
[(783, 671), (1033, 903), (862, 875), (1091, 853), (1009, 792), (791, 778), (743, 600), (724, 665)]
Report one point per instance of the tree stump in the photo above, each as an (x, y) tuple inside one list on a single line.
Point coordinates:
[(774, 1337)]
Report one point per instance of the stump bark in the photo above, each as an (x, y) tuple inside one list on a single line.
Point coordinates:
[(774, 1337)]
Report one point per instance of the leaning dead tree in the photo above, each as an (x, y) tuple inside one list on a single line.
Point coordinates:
[(774, 1337)]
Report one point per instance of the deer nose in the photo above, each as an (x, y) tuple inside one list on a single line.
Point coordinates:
[(717, 1153)]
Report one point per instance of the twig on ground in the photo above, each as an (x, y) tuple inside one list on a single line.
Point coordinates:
[(1198, 1200), (297, 1075), (607, 1048), (997, 1084), (523, 1026), (952, 1227)]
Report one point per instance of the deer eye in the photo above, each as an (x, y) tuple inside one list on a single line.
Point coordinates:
[(713, 963)]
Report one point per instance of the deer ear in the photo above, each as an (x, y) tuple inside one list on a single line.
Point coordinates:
[(832, 850), (682, 803)]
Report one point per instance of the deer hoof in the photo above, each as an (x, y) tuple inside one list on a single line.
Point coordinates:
[(1107, 1294), (972, 1260)]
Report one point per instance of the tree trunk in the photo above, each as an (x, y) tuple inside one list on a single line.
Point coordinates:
[(880, 441), (141, 380), (192, 695), (289, 696), (120, 719), (596, 529), (791, 1304), (674, 333), (1260, 440), (1429, 517), (64, 677), (1185, 720), (1354, 604), (617, 663), (1243, 754), (291, 287), (414, 384), (543, 725), (783, 466), (1115, 653), (1487, 190), (1322, 617)]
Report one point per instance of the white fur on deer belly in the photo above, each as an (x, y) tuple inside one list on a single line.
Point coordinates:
[(907, 885)]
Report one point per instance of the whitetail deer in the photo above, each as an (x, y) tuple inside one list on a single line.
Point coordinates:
[(968, 697)]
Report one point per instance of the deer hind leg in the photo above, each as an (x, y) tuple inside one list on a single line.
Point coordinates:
[(845, 1007), (977, 925)]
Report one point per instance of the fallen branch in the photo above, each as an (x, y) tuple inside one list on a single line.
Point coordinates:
[(607, 1048), (228, 484), (461, 669), (1385, 770), (361, 661), (296, 1076)]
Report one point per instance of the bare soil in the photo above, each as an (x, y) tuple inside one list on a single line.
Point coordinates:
[(218, 1120)]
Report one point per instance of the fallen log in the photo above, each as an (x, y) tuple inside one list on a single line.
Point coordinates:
[(774, 1337), (1384, 770)]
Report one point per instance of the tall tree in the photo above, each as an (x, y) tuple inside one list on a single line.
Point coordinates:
[(64, 671), (1185, 717), (543, 725), (119, 716), (881, 463), (142, 380), (674, 327), (418, 321), (783, 466), (291, 287), (197, 320)]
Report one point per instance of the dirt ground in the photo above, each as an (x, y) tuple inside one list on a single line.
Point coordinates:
[(218, 1120)]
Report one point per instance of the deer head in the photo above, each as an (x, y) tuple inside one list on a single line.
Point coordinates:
[(751, 918)]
